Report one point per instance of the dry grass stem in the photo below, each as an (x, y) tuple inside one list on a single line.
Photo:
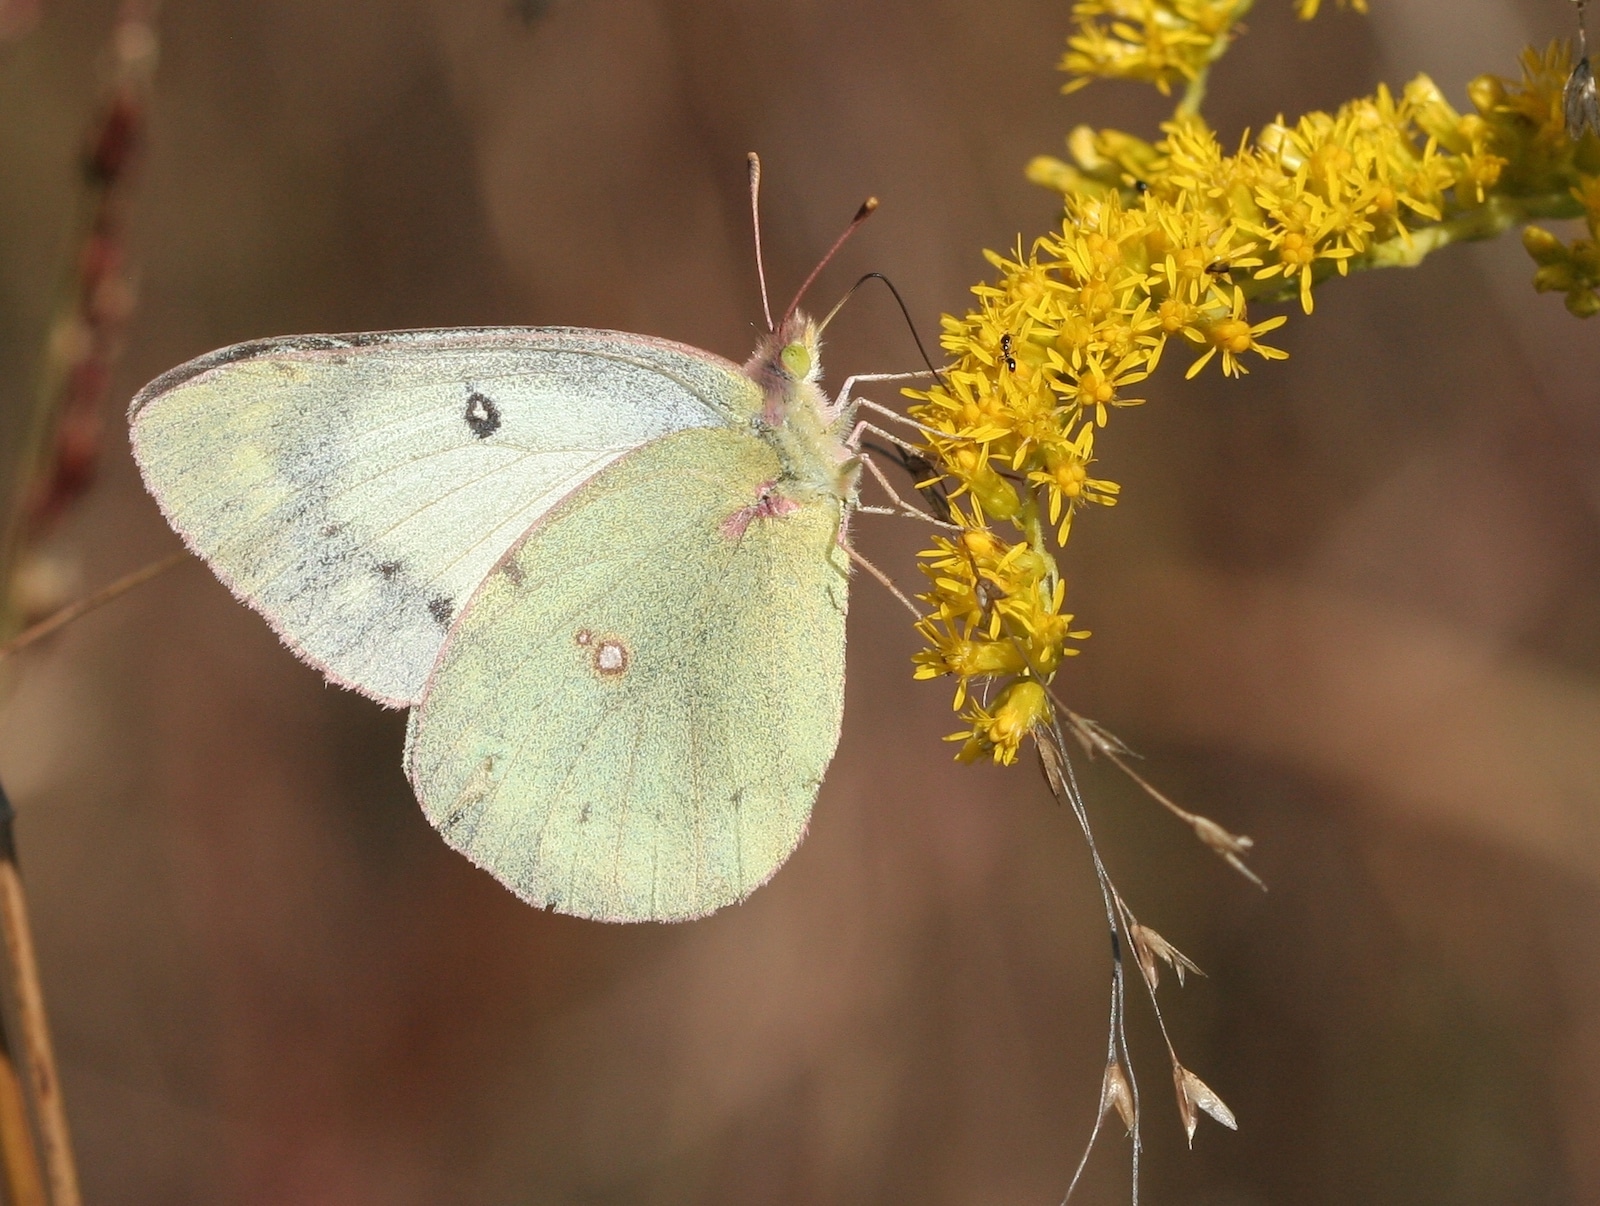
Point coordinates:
[(1120, 1087), (25, 1016), (88, 603), (60, 455), (1095, 739), (24, 1179)]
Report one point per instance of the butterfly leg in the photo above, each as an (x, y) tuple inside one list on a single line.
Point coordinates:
[(901, 507), (883, 578), (838, 405), (853, 440), (909, 458), (899, 418)]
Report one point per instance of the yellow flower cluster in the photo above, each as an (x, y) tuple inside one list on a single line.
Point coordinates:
[(1571, 269), (1160, 42), (1308, 8), (1177, 238), (997, 615)]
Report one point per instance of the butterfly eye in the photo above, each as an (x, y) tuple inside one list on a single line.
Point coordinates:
[(796, 360)]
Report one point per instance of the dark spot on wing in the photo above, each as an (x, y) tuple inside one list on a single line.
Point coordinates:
[(483, 416), (332, 529), (513, 571), (439, 608), (388, 569)]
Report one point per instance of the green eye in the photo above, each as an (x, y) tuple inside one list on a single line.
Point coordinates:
[(796, 359)]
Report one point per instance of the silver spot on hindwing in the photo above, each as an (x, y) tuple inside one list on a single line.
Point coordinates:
[(611, 658), (608, 655)]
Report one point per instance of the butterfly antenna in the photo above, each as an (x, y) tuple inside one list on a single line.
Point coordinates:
[(755, 221), (862, 214), (904, 311)]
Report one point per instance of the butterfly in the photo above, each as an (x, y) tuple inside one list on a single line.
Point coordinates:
[(606, 572)]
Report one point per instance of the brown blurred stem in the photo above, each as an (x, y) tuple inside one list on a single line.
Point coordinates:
[(83, 606), (61, 444), (28, 1041), (53, 468), (24, 1182)]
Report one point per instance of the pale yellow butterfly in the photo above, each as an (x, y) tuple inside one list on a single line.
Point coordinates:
[(604, 570)]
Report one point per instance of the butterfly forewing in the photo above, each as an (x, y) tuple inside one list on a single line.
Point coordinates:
[(630, 719), (356, 489)]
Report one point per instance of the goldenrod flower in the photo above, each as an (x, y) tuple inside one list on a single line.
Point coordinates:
[(1308, 8), (1233, 336), (1065, 477), (1177, 238), (1160, 42), (1573, 270), (998, 732)]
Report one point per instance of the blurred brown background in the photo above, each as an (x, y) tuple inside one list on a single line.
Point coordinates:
[(1348, 606)]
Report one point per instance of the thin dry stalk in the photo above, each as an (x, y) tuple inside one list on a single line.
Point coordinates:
[(25, 1008), (55, 465), (60, 451), (1052, 749), (1120, 1087), (1230, 847), (24, 1180), (83, 606)]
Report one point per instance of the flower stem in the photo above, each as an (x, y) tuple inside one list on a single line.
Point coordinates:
[(1496, 215), (1195, 94)]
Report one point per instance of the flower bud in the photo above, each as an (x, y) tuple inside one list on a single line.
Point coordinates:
[(1543, 246)]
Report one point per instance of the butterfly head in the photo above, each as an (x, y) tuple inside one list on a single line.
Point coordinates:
[(800, 353), (795, 416), (786, 366)]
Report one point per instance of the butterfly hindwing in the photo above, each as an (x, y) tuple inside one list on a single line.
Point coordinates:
[(630, 719), (356, 489)]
